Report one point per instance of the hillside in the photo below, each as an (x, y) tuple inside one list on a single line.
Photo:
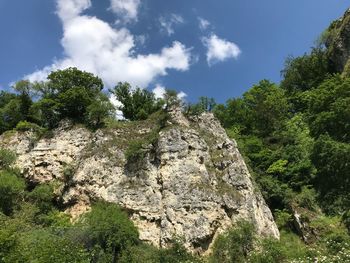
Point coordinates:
[(261, 178)]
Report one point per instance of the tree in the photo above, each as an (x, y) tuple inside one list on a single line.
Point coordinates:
[(332, 160), (25, 89), (10, 114), (46, 112), (110, 229), (328, 109), (205, 104), (61, 81), (172, 99), (11, 191), (304, 73), (137, 104), (98, 111)]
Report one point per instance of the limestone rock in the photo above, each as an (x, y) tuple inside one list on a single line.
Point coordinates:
[(338, 43), (192, 182)]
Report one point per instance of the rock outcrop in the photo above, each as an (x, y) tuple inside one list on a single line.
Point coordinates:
[(338, 43), (191, 181)]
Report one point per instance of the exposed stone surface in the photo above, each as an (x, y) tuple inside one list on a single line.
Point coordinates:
[(338, 43), (192, 182)]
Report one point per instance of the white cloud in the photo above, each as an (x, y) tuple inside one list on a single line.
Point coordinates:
[(159, 91), (92, 45), (126, 9), (182, 95), (203, 23), (220, 49), (168, 23), (69, 9)]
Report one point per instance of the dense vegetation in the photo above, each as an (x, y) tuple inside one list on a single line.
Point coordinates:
[(294, 137)]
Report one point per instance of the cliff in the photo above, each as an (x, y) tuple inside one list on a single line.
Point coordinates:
[(338, 43), (185, 178)]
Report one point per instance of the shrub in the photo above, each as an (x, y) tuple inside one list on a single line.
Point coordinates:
[(42, 196), (109, 230), (11, 191), (6, 158), (234, 245), (27, 126)]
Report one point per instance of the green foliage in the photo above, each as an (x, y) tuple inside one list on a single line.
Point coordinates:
[(235, 245), (28, 126), (271, 251), (176, 253), (42, 196), (46, 112), (332, 160), (204, 104), (261, 110), (307, 198), (283, 219), (172, 99), (7, 158), (68, 172), (11, 191), (98, 111), (137, 104), (278, 167), (61, 81), (137, 148), (46, 246), (10, 114), (110, 229), (329, 110), (305, 72)]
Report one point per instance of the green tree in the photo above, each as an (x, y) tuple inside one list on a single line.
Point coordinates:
[(328, 109), (61, 81), (25, 89), (46, 112), (137, 104), (97, 112), (11, 191), (110, 229), (304, 73), (332, 160)]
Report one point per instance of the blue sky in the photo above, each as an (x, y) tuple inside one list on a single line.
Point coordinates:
[(200, 47)]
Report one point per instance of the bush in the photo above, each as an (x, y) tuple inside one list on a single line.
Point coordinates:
[(27, 126), (307, 198), (6, 158), (42, 196), (235, 245), (11, 192), (45, 246), (108, 230)]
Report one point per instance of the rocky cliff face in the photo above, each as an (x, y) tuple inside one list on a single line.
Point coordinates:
[(190, 182), (338, 43)]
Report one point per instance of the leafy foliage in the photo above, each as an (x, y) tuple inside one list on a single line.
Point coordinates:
[(137, 104)]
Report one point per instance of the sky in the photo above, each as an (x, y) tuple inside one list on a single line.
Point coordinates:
[(214, 48)]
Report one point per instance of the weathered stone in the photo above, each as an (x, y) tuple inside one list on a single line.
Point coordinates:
[(192, 183)]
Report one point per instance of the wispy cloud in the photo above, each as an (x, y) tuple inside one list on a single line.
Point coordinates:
[(168, 23), (219, 50), (127, 10), (93, 45), (203, 23)]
